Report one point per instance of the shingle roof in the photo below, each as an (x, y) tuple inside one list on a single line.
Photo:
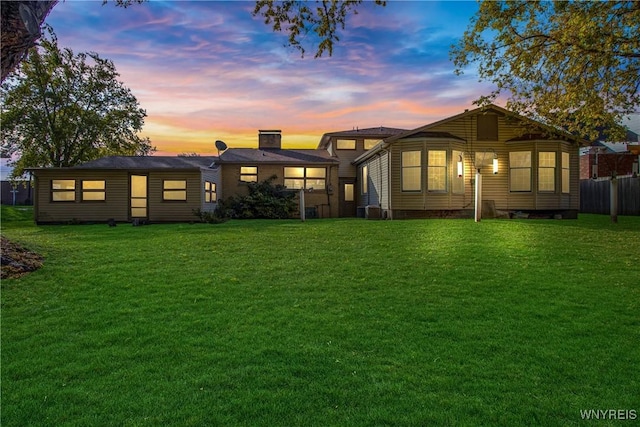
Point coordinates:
[(252, 155), (379, 132), (149, 162)]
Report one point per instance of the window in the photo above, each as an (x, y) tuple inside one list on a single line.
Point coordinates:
[(411, 171), (565, 173), (520, 171), (365, 179), (346, 144), (63, 190), (249, 173), (174, 190), (210, 195), (348, 193), (487, 127), (457, 184), (370, 143), (94, 191), (546, 171), (307, 178), (437, 170)]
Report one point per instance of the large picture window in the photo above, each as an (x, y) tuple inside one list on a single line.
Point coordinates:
[(547, 171), (520, 171), (437, 170), (307, 178), (174, 190), (63, 190), (411, 171), (249, 173), (94, 191), (565, 173), (210, 195)]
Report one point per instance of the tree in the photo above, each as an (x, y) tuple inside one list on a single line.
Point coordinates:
[(299, 19), (21, 28), (63, 109), (22, 20), (572, 64)]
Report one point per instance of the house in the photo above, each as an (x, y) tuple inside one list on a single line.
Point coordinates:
[(169, 189), (121, 188), (346, 146), (432, 171), (603, 159), (314, 171)]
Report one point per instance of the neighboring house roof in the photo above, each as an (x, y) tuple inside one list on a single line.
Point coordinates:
[(380, 132), (489, 108), (252, 155), (145, 162)]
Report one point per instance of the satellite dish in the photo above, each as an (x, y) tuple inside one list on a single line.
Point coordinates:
[(221, 146)]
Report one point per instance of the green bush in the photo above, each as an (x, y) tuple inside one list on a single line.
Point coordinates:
[(265, 200)]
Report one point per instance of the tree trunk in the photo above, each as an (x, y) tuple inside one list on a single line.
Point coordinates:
[(21, 22)]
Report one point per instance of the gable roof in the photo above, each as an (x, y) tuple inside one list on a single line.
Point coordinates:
[(379, 132), (288, 156), (426, 129)]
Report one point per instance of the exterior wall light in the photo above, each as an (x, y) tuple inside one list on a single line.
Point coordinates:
[(495, 164), (460, 166)]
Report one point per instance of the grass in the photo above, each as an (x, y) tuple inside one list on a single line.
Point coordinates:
[(328, 322)]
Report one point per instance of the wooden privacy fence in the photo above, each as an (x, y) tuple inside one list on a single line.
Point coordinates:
[(594, 196)]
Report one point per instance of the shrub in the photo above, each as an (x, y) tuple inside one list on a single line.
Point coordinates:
[(265, 200)]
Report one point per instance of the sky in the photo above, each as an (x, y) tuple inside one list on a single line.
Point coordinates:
[(208, 70)]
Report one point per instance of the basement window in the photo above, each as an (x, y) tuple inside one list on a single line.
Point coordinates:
[(63, 190), (94, 191)]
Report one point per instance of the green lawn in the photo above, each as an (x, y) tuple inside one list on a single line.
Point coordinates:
[(323, 323)]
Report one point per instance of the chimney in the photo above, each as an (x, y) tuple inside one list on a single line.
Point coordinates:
[(270, 139)]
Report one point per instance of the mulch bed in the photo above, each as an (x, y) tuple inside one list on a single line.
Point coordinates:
[(17, 261)]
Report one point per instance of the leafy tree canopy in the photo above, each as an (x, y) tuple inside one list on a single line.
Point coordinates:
[(572, 64), (322, 19), (63, 109)]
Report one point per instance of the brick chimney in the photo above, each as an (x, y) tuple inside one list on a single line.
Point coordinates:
[(269, 139)]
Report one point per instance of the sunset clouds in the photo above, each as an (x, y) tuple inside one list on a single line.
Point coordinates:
[(207, 70)]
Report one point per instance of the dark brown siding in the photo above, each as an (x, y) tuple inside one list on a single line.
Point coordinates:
[(326, 201)]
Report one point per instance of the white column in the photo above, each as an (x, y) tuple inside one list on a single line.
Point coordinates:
[(478, 208)]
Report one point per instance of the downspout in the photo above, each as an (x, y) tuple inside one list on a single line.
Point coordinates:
[(328, 189)]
